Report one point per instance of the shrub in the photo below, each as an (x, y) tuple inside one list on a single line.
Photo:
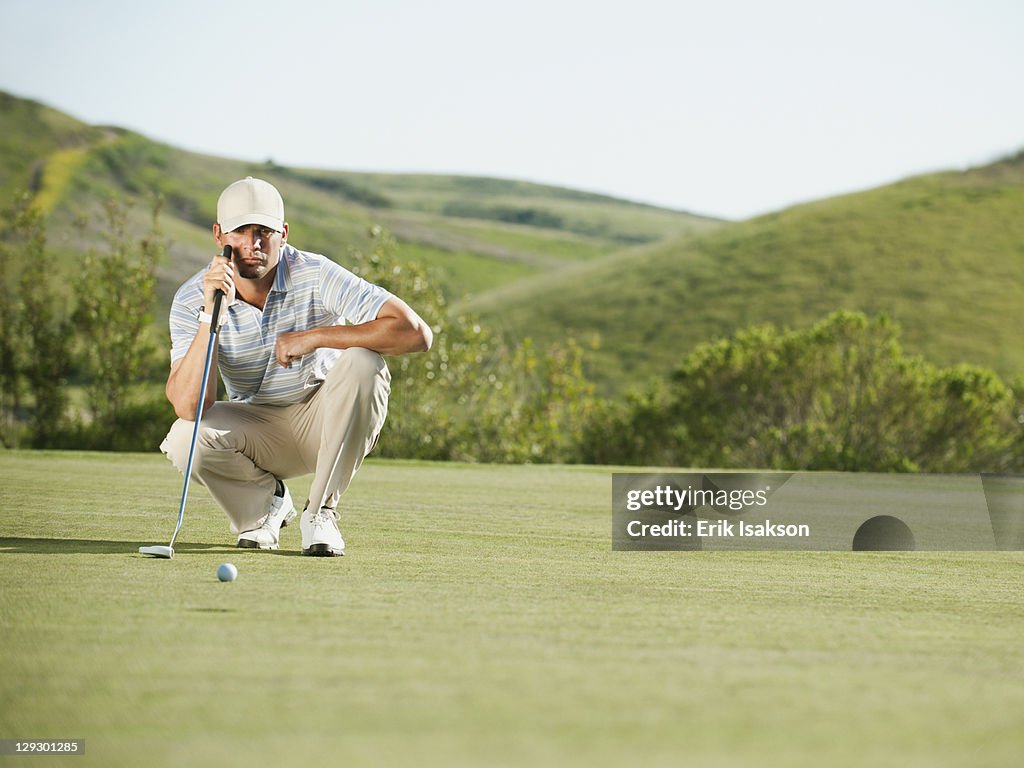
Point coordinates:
[(839, 396)]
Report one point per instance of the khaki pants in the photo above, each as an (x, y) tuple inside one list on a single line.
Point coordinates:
[(242, 448)]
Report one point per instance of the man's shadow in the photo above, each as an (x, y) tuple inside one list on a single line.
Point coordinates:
[(27, 546)]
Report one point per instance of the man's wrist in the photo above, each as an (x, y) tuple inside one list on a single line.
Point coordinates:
[(206, 318)]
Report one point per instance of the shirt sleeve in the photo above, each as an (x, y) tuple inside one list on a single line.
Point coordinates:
[(184, 318), (349, 296)]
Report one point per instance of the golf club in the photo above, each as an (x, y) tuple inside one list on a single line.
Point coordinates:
[(158, 550)]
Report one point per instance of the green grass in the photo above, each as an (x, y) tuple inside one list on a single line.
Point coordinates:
[(30, 133), (582, 212), (59, 168), (480, 618), (464, 272), (475, 257)]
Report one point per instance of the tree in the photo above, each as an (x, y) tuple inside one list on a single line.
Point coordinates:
[(114, 315), (35, 330), (10, 343)]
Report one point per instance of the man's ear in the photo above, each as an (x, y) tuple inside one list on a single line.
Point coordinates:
[(284, 233), (218, 236)]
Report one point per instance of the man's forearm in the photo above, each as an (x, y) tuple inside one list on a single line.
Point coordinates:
[(186, 375), (397, 330), (385, 335)]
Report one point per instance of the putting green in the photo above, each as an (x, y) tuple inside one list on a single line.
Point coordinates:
[(481, 618)]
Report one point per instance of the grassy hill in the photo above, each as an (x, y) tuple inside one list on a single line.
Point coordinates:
[(940, 253), (478, 233)]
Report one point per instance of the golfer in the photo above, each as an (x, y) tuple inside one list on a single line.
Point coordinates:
[(299, 348)]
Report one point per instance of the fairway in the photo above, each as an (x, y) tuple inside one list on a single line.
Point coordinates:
[(481, 618)]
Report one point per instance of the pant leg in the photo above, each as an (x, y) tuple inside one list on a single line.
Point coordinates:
[(341, 423), (240, 450)]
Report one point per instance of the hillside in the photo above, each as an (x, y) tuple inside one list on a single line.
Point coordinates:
[(478, 233), (940, 253)]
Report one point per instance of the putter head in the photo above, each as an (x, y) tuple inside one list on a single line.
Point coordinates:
[(158, 550)]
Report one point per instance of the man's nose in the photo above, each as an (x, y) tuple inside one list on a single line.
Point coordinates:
[(252, 237)]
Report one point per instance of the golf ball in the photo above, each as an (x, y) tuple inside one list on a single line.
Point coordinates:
[(227, 572)]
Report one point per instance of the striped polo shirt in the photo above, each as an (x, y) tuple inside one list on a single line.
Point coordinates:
[(310, 291)]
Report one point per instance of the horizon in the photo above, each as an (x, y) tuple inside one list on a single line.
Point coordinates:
[(729, 112)]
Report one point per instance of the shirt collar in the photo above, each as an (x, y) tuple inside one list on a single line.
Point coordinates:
[(283, 279)]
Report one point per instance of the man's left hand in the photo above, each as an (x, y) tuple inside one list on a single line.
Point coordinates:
[(292, 346)]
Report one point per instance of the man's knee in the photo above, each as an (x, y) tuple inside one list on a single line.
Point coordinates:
[(363, 368), (178, 443)]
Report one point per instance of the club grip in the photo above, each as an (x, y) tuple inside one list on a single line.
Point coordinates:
[(219, 297)]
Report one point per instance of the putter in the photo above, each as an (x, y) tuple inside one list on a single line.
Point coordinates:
[(158, 550)]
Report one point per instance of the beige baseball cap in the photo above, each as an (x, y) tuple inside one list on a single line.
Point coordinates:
[(250, 201)]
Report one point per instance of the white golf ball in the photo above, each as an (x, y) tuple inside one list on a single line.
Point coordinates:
[(227, 572)]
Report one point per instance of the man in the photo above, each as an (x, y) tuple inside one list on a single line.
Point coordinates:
[(299, 348)]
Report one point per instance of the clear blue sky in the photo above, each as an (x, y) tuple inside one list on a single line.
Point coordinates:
[(726, 107)]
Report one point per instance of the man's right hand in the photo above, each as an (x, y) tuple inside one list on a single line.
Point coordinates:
[(219, 277)]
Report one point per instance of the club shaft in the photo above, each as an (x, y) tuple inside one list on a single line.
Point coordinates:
[(195, 434), (199, 405)]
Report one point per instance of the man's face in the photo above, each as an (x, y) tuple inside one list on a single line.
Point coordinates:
[(257, 249)]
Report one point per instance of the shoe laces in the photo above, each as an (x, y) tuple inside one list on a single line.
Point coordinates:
[(276, 510), (266, 522), (324, 516)]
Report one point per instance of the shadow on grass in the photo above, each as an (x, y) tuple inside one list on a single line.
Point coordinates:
[(26, 546), (10, 545)]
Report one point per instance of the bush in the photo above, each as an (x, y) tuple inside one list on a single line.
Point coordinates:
[(474, 397), (839, 396), (138, 426)]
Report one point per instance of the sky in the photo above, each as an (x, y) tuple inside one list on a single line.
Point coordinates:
[(729, 108)]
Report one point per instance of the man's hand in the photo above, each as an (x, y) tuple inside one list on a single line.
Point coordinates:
[(293, 345), (219, 277)]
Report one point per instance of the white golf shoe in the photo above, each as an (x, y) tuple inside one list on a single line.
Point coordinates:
[(320, 534), (267, 535)]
